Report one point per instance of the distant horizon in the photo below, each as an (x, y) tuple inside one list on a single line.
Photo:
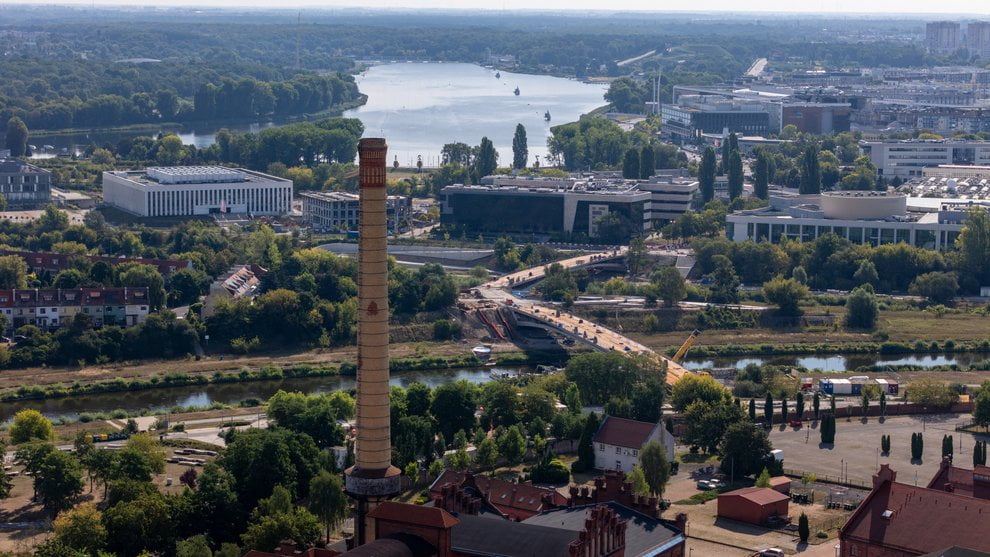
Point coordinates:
[(888, 9)]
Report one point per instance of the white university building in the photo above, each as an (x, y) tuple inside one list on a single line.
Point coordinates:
[(183, 191)]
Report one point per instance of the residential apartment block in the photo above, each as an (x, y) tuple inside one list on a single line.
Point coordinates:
[(51, 308), (52, 263)]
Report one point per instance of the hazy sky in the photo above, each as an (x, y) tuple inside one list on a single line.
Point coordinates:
[(879, 7)]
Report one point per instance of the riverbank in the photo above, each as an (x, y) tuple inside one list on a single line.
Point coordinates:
[(63, 383)]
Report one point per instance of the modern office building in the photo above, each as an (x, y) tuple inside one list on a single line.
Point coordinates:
[(24, 185), (339, 211), (695, 115), (908, 158), (671, 194), (817, 117), (863, 217), (51, 308), (942, 37), (551, 212), (196, 190)]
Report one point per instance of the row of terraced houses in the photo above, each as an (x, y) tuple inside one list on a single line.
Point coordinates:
[(51, 308)]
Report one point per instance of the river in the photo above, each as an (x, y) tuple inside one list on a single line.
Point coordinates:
[(160, 400), (419, 107), (840, 362)]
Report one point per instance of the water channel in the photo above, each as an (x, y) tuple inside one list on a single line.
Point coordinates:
[(419, 107), (159, 400)]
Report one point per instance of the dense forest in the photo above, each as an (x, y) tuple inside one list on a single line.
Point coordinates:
[(92, 68)]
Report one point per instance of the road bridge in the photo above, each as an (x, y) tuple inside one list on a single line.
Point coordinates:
[(534, 314)]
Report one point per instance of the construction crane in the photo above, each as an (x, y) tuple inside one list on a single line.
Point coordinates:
[(685, 347)]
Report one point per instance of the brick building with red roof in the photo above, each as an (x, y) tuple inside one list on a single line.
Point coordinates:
[(902, 520)]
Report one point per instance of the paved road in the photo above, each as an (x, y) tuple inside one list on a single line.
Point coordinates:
[(600, 337)]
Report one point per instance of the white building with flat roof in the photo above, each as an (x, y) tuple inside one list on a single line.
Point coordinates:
[(177, 191), (862, 217), (909, 157)]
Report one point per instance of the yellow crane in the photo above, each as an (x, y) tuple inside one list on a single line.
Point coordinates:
[(679, 356)]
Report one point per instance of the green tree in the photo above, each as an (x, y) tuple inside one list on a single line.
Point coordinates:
[(735, 172), (637, 478), (196, 546), (30, 425), (786, 294), (745, 449), (630, 164), (883, 403), (486, 456), (671, 286), (5, 484), (816, 403), (939, 287), (763, 480), (804, 530), (862, 308), (768, 408), (586, 449), (512, 444), (58, 481), (147, 276), (216, 504), (974, 246), (656, 468), (725, 281), (694, 388), (13, 272), (327, 500), (799, 406), (487, 160), (453, 407), (761, 175), (647, 162), (811, 172), (706, 422), (520, 150), (706, 175), (866, 273), (277, 519), (82, 529), (783, 409), (981, 407), (932, 392), (752, 409), (17, 137), (827, 428)]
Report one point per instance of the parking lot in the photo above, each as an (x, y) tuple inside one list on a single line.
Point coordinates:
[(855, 455)]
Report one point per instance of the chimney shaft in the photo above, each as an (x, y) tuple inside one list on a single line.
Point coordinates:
[(372, 478)]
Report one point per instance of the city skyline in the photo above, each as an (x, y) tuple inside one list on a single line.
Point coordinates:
[(964, 8)]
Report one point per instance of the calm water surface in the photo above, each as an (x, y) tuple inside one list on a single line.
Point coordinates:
[(159, 400), (421, 106)]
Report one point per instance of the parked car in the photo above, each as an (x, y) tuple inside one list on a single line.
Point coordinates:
[(795, 423), (705, 485), (772, 552), (715, 483)]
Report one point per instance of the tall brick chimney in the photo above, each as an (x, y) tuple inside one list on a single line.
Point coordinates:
[(372, 479)]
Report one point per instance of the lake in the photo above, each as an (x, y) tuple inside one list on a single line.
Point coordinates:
[(419, 107)]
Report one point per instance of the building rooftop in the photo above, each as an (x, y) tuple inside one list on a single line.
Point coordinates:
[(758, 495), (918, 519), (643, 533), (623, 432), (16, 166), (511, 499), (476, 535), (189, 175)]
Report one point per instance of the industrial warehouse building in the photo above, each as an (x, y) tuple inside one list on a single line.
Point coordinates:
[(863, 217), (183, 191), (339, 211)]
